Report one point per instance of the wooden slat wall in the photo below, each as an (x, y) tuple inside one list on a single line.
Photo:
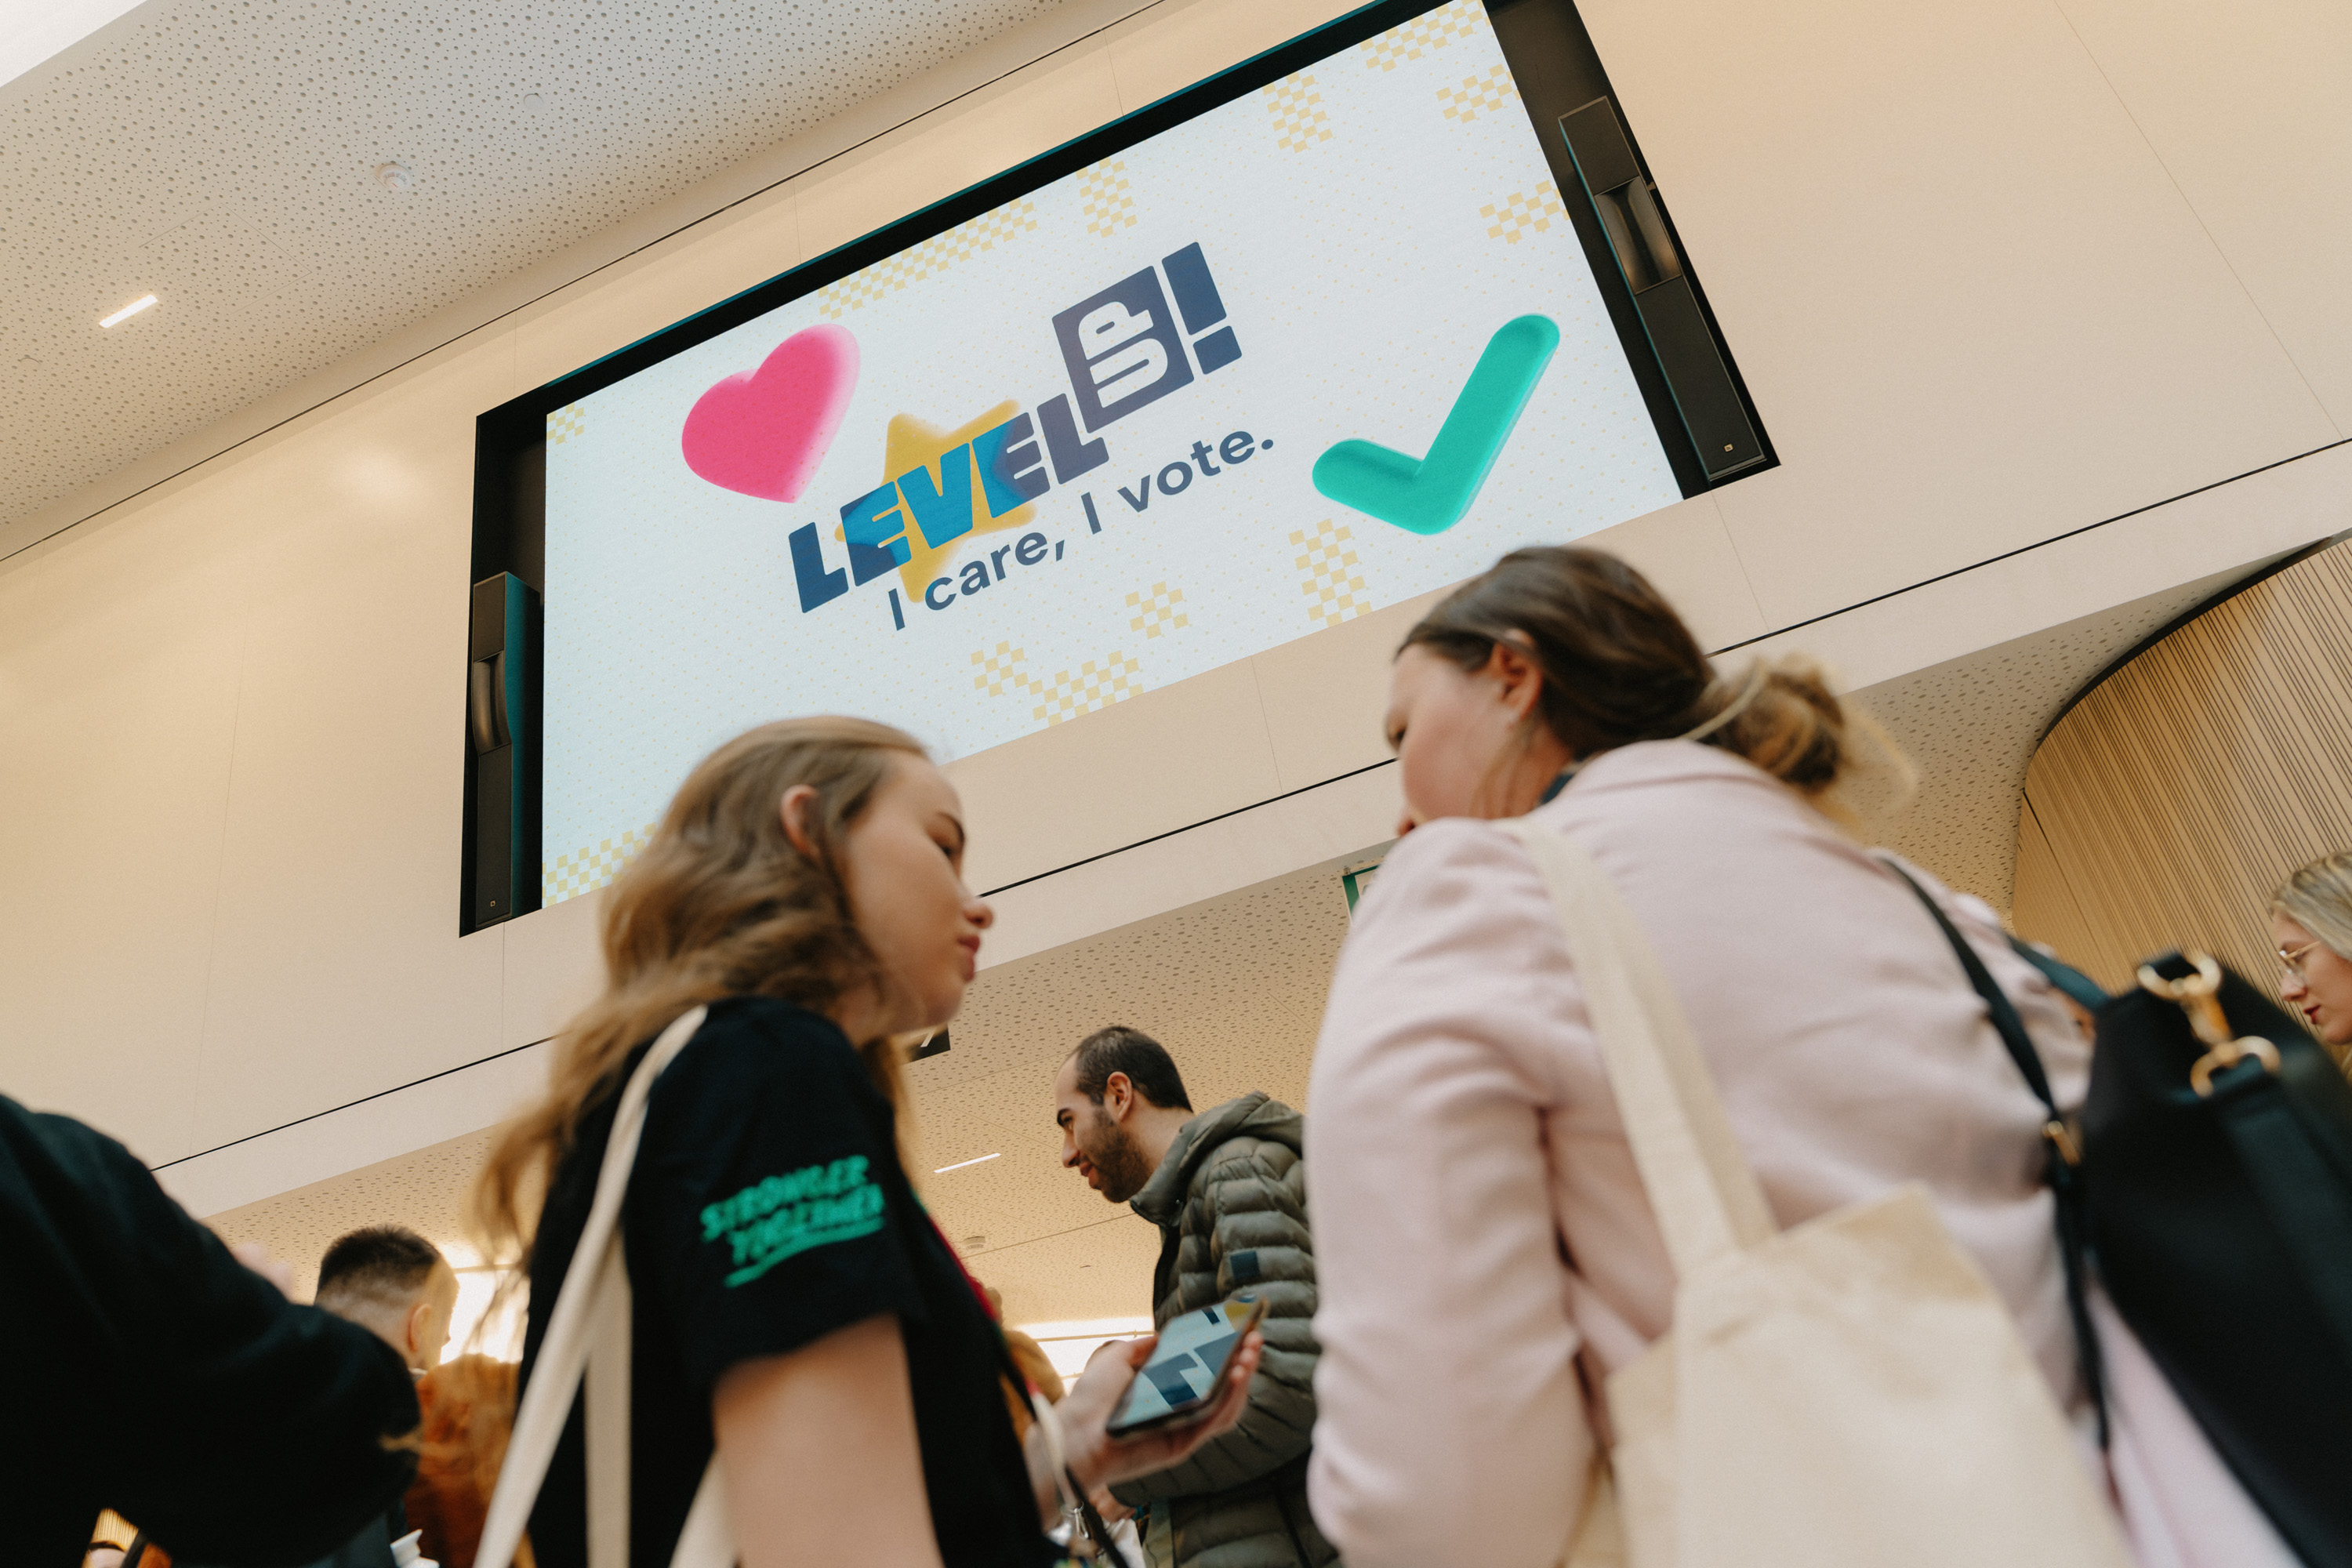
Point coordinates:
[(2165, 808)]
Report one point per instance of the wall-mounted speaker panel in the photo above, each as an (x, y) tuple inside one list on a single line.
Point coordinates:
[(1676, 349), (501, 850)]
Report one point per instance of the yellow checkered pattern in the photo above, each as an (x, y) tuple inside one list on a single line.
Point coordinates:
[(1298, 110), (1334, 584), (1103, 198), (1479, 95), (1158, 611), (1425, 34), (998, 672), (929, 259), (1098, 683), (586, 870), (1509, 219), (566, 422)]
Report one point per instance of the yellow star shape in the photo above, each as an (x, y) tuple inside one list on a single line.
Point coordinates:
[(911, 443)]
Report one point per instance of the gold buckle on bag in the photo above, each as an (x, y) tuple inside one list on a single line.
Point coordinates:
[(2200, 997)]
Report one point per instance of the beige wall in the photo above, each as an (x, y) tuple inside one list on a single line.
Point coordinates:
[(1991, 272)]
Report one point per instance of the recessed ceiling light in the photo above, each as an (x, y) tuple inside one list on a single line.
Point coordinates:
[(960, 1165), (127, 311)]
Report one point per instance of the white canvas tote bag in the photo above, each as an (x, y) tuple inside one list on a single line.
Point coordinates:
[(1847, 1394), (589, 1333)]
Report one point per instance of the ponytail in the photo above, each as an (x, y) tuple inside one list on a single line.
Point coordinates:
[(1619, 667)]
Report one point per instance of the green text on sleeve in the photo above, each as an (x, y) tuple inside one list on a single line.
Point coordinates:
[(785, 1215)]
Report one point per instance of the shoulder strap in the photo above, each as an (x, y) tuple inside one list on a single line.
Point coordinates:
[(1707, 1199), (2084, 991), (572, 1329), (2062, 1167)]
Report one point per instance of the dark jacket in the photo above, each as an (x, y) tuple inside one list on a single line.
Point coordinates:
[(1230, 1203), (152, 1373)]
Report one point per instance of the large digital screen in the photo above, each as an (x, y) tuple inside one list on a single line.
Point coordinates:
[(1323, 346)]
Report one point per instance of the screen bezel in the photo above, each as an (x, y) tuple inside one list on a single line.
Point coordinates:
[(1553, 62)]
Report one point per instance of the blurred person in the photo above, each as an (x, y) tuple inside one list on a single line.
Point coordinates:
[(395, 1284), (468, 1402), (169, 1379), (2311, 922), (1029, 1358), (806, 885), (1487, 1248), (118, 1543), (1044, 1382), (1228, 1191)]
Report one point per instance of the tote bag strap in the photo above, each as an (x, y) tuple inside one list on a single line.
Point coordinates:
[(2062, 1159), (585, 1315), (1707, 1199)]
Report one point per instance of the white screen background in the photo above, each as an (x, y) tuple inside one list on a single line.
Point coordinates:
[(1369, 222)]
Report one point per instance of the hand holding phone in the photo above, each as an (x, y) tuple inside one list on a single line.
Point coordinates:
[(1097, 1458), (1188, 1367)]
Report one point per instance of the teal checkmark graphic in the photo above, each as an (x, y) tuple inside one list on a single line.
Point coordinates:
[(1430, 495)]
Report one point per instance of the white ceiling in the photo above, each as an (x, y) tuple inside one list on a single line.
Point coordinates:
[(221, 154), (1235, 987), (32, 31)]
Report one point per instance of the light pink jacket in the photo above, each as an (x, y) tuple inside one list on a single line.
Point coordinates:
[(1478, 1222)]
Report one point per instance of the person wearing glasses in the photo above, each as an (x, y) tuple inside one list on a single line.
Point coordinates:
[(2311, 920)]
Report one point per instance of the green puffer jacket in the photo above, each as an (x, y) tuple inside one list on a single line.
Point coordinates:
[(1230, 1201)]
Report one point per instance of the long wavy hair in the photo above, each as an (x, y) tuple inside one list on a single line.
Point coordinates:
[(718, 903), (1619, 666)]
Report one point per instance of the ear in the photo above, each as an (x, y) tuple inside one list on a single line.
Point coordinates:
[(1518, 678), (1118, 1096), (798, 802), (413, 1330)]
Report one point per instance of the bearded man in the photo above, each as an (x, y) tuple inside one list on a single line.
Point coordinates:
[(1228, 1191)]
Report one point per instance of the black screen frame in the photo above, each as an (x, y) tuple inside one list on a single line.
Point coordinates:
[(1552, 61)]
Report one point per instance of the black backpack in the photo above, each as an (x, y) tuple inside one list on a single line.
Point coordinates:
[(2212, 1196), (2216, 1144)]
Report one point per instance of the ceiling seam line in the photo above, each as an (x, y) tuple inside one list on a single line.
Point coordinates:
[(1187, 827), (1054, 1234), (348, 1105), (2029, 548)]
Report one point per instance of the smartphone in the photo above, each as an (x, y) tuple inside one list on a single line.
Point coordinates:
[(1187, 1366)]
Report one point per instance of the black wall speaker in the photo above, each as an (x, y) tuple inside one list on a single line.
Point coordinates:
[(1689, 379), (1650, 263), (503, 751)]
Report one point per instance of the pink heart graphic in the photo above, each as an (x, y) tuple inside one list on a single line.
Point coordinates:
[(763, 432)]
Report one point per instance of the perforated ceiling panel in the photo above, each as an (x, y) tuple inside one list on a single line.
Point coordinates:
[(424, 1190), (1971, 725), (223, 155)]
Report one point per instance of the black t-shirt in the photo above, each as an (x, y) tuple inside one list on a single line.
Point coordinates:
[(767, 1209), (149, 1372)]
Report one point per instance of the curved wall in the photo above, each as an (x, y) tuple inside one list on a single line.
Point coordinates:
[(2165, 806)]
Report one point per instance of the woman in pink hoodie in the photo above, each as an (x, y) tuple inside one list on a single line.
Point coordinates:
[(1486, 1255)]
